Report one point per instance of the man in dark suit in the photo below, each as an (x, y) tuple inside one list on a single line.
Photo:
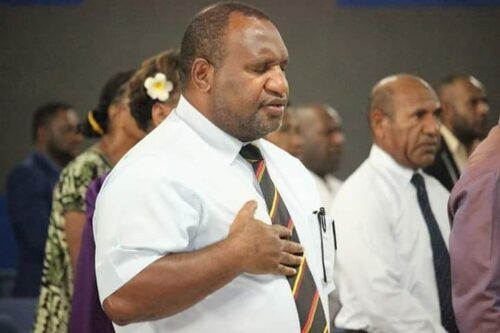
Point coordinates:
[(30, 186), (464, 118)]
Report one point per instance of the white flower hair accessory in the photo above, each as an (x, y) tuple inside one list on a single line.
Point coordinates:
[(158, 87)]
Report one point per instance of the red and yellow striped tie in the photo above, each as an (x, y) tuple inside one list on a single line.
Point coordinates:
[(304, 290)]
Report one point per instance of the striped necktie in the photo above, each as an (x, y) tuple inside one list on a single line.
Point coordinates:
[(304, 290), (440, 256)]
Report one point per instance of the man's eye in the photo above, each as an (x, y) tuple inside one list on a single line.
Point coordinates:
[(419, 114), (477, 100), (437, 113), (285, 129), (260, 70)]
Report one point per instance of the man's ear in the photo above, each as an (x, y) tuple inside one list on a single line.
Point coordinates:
[(42, 135), (448, 110), (378, 122), (202, 73)]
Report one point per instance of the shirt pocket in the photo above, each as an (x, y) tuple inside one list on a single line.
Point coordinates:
[(327, 241)]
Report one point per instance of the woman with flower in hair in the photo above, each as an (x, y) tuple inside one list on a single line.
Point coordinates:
[(112, 123), (153, 91)]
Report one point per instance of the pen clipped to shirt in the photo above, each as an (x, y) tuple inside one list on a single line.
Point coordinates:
[(323, 228)]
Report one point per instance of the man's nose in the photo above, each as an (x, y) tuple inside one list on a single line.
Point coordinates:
[(297, 141), (338, 138), (277, 82), (431, 125), (483, 108)]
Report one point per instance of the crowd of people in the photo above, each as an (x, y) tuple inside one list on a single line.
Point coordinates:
[(209, 202)]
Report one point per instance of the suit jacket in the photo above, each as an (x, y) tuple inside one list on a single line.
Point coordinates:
[(29, 202), (444, 167)]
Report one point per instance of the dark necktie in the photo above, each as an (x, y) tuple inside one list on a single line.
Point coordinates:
[(307, 300), (440, 256)]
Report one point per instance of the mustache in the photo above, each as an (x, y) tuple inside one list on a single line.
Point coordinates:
[(277, 101), (429, 141)]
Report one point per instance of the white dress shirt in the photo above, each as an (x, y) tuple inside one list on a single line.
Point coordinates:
[(179, 190), (327, 188), (384, 266)]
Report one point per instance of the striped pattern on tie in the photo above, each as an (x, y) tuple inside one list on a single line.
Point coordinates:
[(306, 295)]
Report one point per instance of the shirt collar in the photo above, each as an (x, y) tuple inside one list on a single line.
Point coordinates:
[(451, 140), (321, 179), (381, 159), (227, 145)]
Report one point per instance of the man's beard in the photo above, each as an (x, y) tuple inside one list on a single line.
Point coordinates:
[(464, 132), (244, 129), (62, 157)]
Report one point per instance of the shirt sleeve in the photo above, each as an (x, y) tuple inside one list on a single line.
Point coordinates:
[(28, 208), (143, 213), (368, 270), (474, 208)]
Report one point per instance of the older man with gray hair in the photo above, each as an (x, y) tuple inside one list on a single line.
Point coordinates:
[(391, 220)]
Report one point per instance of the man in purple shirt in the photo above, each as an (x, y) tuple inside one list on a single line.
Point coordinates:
[(474, 209)]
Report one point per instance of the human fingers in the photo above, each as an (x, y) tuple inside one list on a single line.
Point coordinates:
[(248, 209), (285, 270), (292, 247), (282, 231), (289, 259)]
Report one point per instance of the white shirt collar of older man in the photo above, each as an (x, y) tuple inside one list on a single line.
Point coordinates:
[(381, 159)]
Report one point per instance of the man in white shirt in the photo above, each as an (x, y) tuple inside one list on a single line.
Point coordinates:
[(323, 140), (464, 118), (184, 239), (392, 228)]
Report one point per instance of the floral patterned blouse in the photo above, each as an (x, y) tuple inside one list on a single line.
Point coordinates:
[(56, 292)]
